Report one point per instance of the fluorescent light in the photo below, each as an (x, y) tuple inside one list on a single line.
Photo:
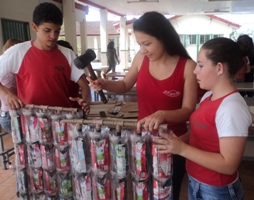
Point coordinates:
[(224, 0), (143, 1)]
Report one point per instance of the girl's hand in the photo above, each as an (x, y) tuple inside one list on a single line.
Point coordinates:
[(152, 121), (169, 143), (96, 85)]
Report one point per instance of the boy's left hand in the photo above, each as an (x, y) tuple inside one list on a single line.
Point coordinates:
[(84, 104)]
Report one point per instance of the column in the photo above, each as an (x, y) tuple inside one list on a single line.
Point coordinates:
[(83, 35), (132, 46), (123, 43), (127, 48), (96, 48), (70, 23), (104, 35)]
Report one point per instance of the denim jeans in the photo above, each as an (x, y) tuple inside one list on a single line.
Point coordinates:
[(5, 122), (201, 191)]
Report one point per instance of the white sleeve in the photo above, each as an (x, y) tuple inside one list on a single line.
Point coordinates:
[(233, 117), (70, 56), (208, 93), (12, 58)]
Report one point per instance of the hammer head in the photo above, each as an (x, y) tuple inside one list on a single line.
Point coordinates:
[(82, 61)]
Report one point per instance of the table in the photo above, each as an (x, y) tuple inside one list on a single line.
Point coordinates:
[(126, 69), (249, 101), (133, 91), (245, 87), (98, 70), (130, 95), (116, 74)]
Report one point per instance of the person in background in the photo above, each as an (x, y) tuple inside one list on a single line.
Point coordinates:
[(9, 81), (218, 128), (111, 58), (240, 76), (246, 41), (166, 86), (43, 69), (246, 45), (73, 87)]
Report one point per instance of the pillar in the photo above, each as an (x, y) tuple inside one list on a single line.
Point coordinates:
[(70, 23), (104, 35), (132, 46), (123, 43), (83, 35), (96, 47)]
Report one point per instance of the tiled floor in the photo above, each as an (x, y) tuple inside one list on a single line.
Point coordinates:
[(8, 190), (7, 177)]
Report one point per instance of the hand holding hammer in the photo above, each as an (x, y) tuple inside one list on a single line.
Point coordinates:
[(84, 61)]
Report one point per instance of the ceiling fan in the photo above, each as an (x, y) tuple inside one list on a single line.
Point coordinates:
[(143, 1)]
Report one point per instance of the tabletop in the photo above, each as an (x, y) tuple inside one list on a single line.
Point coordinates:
[(245, 86), (98, 69), (116, 74)]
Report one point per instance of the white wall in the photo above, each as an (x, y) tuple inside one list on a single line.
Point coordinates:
[(199, 24), (192, 50), (20, 10)]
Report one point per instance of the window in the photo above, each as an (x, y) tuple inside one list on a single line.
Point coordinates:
[(15, 29), (191, 39), (204, 38), (181, 39), (217, 35)]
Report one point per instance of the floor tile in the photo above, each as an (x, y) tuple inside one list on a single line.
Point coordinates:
[(7, 192), (5, 174), (11, 181)]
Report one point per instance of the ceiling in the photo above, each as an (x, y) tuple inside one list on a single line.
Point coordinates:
[(173, 7)]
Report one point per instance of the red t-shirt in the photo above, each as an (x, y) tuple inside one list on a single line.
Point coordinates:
[(167, 94), (204, 135), (43, 76)]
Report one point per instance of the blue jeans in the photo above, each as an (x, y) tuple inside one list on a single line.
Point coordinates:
[(201, 191), (5, 121)]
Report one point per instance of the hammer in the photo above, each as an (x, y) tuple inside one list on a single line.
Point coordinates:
[(84, 61)]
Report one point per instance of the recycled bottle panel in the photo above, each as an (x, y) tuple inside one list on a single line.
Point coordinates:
[(34, 155), (48, 157), (100, 155), (62, 159), (101, 187), (50, 182), (162, 164)]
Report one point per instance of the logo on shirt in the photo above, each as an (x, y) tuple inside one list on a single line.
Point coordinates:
[(200, 125), (172, 93), (61, 69)]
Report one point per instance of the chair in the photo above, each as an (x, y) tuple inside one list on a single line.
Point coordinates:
[(5, 154)]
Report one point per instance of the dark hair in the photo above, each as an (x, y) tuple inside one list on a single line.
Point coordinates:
[(111, 45), (246, 44), (64, 44), (158, 26), (47, 12), (226, 51)]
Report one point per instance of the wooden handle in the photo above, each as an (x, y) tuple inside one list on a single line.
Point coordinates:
[(94, 77)]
